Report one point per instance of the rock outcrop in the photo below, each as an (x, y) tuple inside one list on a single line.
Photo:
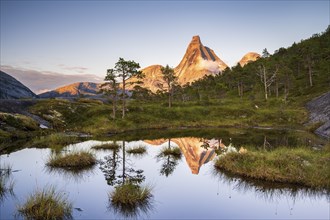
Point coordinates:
[(249, 57), (10, 88), (320, 113), (73, 90)]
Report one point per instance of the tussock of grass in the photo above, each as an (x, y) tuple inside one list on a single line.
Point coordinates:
[(174, 151), (74, 160), (302, 165), (108, 146), (46, 204), (137, 150), (130, 194)]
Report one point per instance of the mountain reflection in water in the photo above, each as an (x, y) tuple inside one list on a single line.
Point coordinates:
[(192, 148)]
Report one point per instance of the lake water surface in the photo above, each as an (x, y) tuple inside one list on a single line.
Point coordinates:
[(186, 188)]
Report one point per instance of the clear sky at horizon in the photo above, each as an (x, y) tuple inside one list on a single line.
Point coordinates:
[(80, 37)]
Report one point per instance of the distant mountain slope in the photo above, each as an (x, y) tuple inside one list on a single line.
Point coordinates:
[(10, 88), (249, 57), (73, 90)]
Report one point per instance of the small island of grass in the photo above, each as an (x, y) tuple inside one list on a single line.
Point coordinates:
[(302, 166), (130, 195), (74, 160), (107, 146), (46, 204), (174, 151), (137, 150)]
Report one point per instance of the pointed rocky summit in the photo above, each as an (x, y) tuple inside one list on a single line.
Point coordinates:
[(197, 62)]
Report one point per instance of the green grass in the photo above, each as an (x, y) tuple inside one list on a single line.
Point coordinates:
[(55, 141), (302, 166), (95, 117), (137, 150), (107, 146), (130, 194), (18, 121), (46, 204), (174, 151), (73, 160)]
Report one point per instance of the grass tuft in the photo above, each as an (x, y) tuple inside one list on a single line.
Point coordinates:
[(108, 146), (174, 152), (46, 204), (130, 199), (73, 160), (137, 150)]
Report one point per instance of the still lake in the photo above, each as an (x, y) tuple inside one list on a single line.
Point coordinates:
[(186, 188)]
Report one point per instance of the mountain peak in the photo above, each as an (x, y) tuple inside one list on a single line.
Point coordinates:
[(197, 62), (196, 39)]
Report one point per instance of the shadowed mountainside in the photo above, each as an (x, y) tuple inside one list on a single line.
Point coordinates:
[(10, 88)]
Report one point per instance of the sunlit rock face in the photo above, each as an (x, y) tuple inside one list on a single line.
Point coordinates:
[(249, 57), (10, 88), (73, 90), (153, 78), (195, 155), (192, 148), (197, 62)]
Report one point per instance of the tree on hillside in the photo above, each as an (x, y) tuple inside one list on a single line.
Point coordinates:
[(239, 78), (265, 53), (124, 70), (170, 79), (111, 88), (309, 63), (267, 77)]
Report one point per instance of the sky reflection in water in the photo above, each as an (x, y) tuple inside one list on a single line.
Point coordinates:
[(190, 188)]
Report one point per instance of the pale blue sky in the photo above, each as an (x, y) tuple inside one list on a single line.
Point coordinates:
[(87, 37)]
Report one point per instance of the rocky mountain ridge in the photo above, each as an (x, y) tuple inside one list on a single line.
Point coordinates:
[(73, 90)]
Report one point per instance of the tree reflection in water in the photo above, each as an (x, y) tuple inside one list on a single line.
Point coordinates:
[(170, 157), (119, 172)]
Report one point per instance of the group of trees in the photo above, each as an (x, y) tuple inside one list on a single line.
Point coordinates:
[(295, 71), (124, 71)]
